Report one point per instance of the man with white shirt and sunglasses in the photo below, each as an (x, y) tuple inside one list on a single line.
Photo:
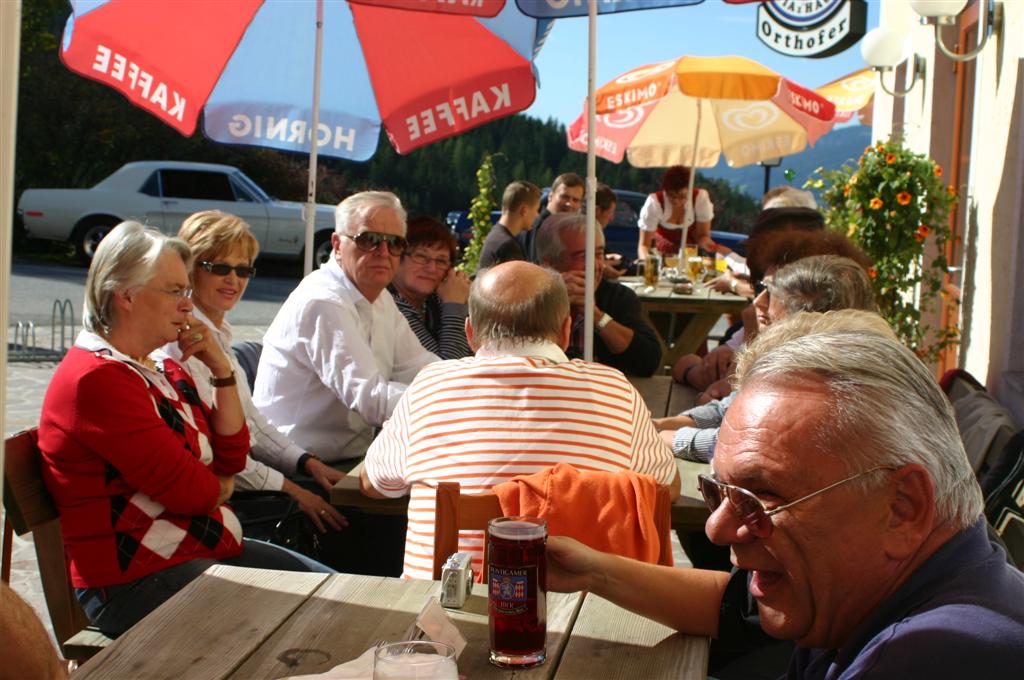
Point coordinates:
[(852, 515), (339, 353)]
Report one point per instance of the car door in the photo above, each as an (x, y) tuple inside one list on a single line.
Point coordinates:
[(185, 191)]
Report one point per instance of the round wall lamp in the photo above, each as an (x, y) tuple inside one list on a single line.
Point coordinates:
[(945, 12), (884, 48)]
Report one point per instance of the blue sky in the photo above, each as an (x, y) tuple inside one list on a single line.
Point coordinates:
[(630, 39)]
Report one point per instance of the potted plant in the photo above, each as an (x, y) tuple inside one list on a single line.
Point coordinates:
[(890, 204), (480, 214)]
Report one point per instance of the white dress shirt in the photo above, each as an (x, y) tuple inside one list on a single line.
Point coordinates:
[(271, 452), (334, 364)]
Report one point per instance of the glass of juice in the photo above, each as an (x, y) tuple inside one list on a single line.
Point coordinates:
[(516, 590)]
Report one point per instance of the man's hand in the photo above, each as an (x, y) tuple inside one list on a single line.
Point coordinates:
[(319, 511), (227, 487), (718, 363), (454, 287), (575, 285), (716, 390), (673, 423), (571, 566), (323, 474)]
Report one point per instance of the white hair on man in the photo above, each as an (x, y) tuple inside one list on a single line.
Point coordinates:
[(886, 408), (355, 209), (788, 197)]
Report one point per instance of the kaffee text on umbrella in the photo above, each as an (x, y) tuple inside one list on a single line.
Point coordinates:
[(119, 67), (425, 122)]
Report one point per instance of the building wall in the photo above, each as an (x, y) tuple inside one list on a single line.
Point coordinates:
[(992, 283)]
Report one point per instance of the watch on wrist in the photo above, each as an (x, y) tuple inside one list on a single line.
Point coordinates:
[(604, 321), (223, 382)]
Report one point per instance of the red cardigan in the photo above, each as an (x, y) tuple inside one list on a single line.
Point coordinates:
[(132, 469)]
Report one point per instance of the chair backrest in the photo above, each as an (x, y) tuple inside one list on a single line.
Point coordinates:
[(248, 354), (455, 511), (1004, 504), (30, 508)]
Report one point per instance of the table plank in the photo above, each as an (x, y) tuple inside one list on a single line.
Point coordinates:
[(610, 642), (351, 612), (207, 628)]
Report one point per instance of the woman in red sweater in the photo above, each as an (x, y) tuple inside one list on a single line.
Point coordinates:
[(138, 467)]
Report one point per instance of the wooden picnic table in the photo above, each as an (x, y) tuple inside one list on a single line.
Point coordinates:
[(683, 321), (663, 397), (240, 623)]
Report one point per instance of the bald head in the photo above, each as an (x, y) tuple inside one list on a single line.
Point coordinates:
[(517, 303)]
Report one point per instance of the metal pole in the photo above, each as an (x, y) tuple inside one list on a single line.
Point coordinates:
[(767, 178), (590, 275), (314, 134)]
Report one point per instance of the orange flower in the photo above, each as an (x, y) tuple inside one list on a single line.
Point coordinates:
[(875, 203), (890, 158), (846, 190), (868, 149), (922, 232), (903, 198), (938, 171), (880, 146), (873, 273), (951, 189)]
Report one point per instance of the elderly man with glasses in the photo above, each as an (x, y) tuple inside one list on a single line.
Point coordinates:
[(852, 515), (339, 353)]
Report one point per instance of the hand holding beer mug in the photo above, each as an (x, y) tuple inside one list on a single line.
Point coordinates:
[(415, 660), (517, 590)]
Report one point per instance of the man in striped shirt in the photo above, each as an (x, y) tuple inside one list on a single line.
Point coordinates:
[(518, 407)]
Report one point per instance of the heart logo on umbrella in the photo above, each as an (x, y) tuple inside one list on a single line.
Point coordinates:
[(754, 116)]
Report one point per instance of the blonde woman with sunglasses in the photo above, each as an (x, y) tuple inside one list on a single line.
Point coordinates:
[(224, 249)]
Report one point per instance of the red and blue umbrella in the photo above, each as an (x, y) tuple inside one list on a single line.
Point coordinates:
[(248, 67)]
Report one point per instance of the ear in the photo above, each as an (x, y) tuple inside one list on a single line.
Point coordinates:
[(469, 336), (910, 511), (335, 241), (566, 333)]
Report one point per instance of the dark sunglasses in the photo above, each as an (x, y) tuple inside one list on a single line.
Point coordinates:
[(221, 269), (749, 508), (369, 241)]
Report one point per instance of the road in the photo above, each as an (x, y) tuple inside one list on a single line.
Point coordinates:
[(35, 286)]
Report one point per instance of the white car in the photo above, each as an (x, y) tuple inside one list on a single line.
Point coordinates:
[(162, 194)]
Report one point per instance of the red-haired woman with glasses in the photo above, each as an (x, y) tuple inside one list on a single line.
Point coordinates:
[(224, 249)]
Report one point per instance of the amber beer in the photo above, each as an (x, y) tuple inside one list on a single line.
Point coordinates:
[(516, 590)]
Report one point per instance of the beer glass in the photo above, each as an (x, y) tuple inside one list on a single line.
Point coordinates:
[(415, 660), (516, 590), (651, 267)]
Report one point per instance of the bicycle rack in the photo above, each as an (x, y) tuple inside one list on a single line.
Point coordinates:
[(23, 345)]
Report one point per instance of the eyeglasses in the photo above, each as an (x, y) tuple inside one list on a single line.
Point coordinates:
[(424, 260), (178, 294), (222, 269), (369, 241), (762, 285), (750, 509)]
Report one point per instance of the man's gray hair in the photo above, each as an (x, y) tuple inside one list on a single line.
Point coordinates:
[(125, 259), (550, 245), (823, 283), (789, 197), (885, 407), (354, 210), (498, 324)]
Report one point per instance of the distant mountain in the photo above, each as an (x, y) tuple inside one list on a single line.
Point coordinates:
[(843, 145)]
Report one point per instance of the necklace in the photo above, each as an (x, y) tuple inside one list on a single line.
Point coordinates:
[(144, 361)]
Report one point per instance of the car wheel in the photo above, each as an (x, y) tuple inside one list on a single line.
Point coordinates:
[(321, 248), (88, 236)]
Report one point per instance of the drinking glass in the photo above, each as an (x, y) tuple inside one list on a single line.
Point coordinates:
[(651, 268), (415, 660), (517, 590), (694, 263)]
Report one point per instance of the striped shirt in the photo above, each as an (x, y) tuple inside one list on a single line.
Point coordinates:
[(440, 326), (482, 420)]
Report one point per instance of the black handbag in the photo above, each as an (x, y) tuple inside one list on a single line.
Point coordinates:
[(275, 517)]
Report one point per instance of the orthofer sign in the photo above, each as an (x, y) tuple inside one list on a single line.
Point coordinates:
[(811, 28)]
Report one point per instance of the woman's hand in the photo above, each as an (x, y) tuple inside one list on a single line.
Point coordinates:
[(227, 487), (454, 287), (572, 566), (323, 474), (319, 511), (195, 340)]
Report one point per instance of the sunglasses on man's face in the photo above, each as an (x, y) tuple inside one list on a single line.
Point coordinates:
[(750, 509), (369, 241), (222, 269)]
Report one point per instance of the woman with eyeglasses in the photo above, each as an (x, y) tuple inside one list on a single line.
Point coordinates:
[(667, 212), (224, 249), (429, 292), (138, 467)]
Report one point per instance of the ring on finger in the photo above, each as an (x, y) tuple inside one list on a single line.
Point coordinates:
[(323, 513), (196, 337)]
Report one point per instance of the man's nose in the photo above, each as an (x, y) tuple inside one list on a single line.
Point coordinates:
[(724, 527)]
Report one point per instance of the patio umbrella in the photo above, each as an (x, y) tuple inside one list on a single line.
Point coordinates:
[(253, 68), (692, 110), (852, 94)]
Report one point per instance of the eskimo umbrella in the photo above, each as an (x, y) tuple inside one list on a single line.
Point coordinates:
[(250, 66)]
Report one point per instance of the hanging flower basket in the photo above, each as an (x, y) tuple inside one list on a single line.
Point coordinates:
[(891, 203)]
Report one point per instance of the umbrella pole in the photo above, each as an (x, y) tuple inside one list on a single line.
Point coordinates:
[(689, 191), (590, 274), (314, 135)]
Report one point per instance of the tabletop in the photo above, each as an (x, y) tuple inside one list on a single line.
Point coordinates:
[(236, 623)]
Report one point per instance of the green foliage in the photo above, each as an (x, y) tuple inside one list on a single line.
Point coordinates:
[(480, 214), (890, 203)]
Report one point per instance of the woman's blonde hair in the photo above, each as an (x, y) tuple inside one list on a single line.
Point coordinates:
[(212, 233)]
